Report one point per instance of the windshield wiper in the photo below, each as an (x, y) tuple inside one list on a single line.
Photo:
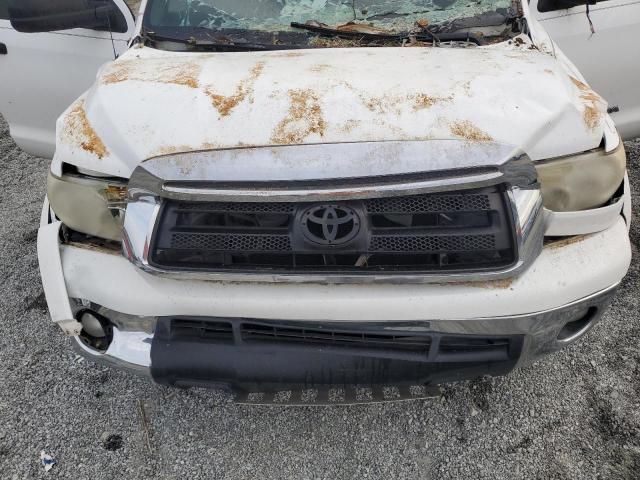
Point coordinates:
[(423, 35), (213, 44)]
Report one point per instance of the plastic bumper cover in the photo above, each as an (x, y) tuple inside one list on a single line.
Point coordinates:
[(569, 279)]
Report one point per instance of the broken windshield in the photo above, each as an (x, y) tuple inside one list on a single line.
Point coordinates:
[(273, 16)]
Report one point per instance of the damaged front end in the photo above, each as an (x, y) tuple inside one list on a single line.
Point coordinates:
[(396, 215), (193, 246)]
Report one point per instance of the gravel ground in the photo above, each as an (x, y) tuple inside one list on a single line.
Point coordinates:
[(573, 415)]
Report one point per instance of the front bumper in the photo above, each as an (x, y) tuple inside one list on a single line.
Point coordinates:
[(210, 355), (571, 280)]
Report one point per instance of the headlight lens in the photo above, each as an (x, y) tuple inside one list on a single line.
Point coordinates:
[(580, 182), (87, 204)]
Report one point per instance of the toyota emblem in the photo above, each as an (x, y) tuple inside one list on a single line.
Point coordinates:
[(330, 224)]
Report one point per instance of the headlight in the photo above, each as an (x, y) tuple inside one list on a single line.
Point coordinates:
[(580, 182), (87, 204)]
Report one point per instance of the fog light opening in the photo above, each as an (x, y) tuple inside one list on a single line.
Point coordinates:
[(97, 331), (574, 329)]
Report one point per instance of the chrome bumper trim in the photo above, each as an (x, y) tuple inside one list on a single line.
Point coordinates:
[(130, 351), (131, 347)]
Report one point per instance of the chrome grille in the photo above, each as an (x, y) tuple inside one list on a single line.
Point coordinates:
[(469, 230)]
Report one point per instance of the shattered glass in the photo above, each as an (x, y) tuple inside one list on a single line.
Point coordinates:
[(394, 16)]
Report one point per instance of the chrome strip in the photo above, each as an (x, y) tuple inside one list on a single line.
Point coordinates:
[(130, 351), (189, 177), (329, 161), (327, 193), (332, 171)]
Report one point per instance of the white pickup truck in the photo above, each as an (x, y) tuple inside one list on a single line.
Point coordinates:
[(296, 194)]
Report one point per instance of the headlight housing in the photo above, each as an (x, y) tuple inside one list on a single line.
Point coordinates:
[(88, 204), (583, 181)]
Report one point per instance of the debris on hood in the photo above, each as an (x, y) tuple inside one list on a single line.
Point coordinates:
[(79, 130), (47, 461), (594, 104), (467, 130), (322, 42), (363, 28), (271, 98)]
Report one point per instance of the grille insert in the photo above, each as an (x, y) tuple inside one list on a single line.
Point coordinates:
[(429, 203), (453, 348), (255, 332), (461, 231), (197, 329), (231, 242), (415, 243), (426, 345)]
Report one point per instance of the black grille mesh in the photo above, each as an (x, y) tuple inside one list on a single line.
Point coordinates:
[(443, 348), (408, 204), (231, 242), (467, 230), (433, 244), (238, 207), (426, 203)]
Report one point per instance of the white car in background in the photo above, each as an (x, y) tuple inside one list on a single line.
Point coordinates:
[(270, 195)]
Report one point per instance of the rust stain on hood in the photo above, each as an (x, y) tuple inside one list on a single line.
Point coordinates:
[(320, 68), (303, 119), (394, 103), (422, 100), (593, 103), (172, 149), (178, 73), (78, 130), (225, 104), (351, 99), (467, 130)]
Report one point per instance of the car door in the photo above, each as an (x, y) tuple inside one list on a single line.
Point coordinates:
[(609, 58), (41, 74)]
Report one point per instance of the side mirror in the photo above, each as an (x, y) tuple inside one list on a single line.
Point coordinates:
[(31, 16), (553, 5)]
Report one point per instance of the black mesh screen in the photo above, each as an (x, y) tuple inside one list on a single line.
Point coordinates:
[(465, 230)]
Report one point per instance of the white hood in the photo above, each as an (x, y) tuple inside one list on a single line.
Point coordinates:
[(150, 103)]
